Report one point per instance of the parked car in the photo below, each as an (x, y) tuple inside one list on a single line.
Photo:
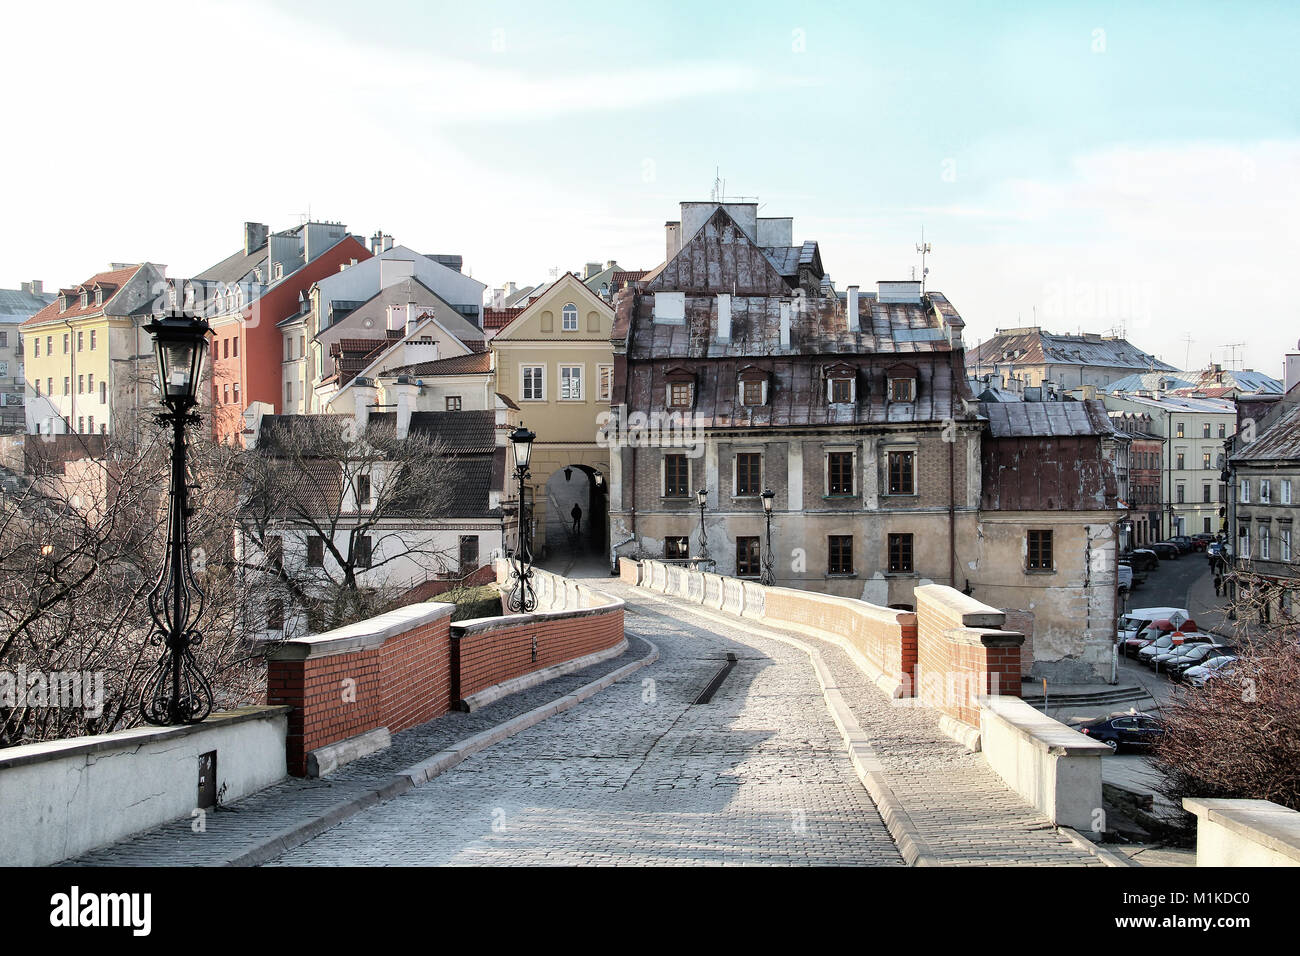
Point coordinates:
[(1166, 550), (1136, 731), (1142, 559), (1162, 643), (1213, 669), (1173, 656), (1139, 618), (1183, 542), (1125, 577), (1202, 541), (1199, 654)]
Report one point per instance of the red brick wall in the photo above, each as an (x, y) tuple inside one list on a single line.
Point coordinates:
[(492, 653), (402, 682), (957, 663)]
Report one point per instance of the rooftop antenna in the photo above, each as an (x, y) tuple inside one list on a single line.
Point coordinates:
[(1233, 346), (1187, 360), (923, 248), (719, 188)]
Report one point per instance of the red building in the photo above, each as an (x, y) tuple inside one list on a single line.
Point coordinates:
[(247, 294)]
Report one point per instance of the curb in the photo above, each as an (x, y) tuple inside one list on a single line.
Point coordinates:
[(1109, 857), (426, 770), (913, 847)]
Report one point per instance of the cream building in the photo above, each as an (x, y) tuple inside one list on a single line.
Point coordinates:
[(554, 360)]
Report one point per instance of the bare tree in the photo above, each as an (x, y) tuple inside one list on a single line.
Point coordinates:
[(344, 522), (81, 547)]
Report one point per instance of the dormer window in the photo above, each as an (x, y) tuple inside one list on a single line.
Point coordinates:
[(63, 303), (680, 388), (753, 386), (841, 384), (902, 383), (99, 297), (569, 318), (85, 298)]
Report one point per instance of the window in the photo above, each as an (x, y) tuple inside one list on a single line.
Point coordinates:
[(49, 386), (363, 490), (569, 318), (1286, 490), (90, 424), (288, 393), (49, 345), (679, 394), (1182, 491), (534, 382), (36, 348), (1221, 430), (902, 389), (1205, 430), (288, 348), (234, 391), (747, 557), (90, 383), (839, 473), (749, 474), (1284, 544), (81, 385), (1264, 549), (1245, 541), (67, 385), (676, 476), (1205, 461), (1180, 465), (37, 383), (103, 392), (315, 551), (1205, 525), (901, 477), (1179, 430), (274, 550), (1205, 494), (453, 403), (677, 546), (604, 383), (234, 348), (751, 392), (66, 338), (363, 554), (1040, 550), (839, 556), (468, 553), (570, 383), (900, 554), (1245, 491), (1265, 491), (81, 341), (81, 424), (225, 394), (275, 614), (92, 340), (225, 348)]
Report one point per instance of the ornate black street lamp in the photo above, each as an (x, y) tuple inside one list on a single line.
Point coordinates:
[(768, 578), (177, 692), (522, 598), (702, 498)]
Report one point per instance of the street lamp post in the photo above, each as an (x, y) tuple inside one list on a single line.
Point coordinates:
[(522, 598), (177, 692), (702, 497), (768, 578)]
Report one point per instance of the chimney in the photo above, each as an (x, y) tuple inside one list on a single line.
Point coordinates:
[(412, 311), (374, 243), (254, 236), (724, 317), (1291, 371), (396, 318), (367, 396), (387, 241), (785, 325), (406, 392), (590, 269), (673, 233), (853, 308), (611, 264)]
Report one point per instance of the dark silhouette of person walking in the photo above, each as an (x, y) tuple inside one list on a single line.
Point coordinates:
[(576, 514)]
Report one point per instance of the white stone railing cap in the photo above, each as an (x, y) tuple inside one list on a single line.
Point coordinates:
[(1260, 821)]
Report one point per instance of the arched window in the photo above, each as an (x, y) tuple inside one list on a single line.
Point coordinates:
[(569, 318)]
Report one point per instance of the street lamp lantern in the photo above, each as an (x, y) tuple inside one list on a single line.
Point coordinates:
[(769, 577), (702, 497), (177, 692), (180, 344), (522, 598)]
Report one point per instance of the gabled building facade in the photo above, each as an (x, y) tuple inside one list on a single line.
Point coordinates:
[(88, 362), (1030, 358), (740, 369), (553, 360), (16, 307)]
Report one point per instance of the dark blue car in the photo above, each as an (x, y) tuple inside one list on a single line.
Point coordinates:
[(1133, 731)]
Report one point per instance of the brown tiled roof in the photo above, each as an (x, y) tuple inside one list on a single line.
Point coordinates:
[(476, 363), (110, 282), (500, 318)]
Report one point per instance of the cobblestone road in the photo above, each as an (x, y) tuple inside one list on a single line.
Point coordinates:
[(640, 775)]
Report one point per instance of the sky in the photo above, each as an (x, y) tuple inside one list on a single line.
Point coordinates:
[(1094, 167)]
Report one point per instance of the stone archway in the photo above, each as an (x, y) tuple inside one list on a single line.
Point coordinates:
[(587, 488)]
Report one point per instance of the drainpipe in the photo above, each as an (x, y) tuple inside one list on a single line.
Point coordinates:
[(952, 513), (72, 373)]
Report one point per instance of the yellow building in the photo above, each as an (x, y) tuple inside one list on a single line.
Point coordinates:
[(555, 361), (85, 351)]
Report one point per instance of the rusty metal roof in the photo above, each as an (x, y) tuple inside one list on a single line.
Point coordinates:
[(1047, 419), (1033, 346), (1278, 442)]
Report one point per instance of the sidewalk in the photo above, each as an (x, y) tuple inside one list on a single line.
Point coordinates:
[(272, 821)]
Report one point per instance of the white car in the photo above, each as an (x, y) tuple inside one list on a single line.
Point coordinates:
[(1140, 617), (1212, 669)]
